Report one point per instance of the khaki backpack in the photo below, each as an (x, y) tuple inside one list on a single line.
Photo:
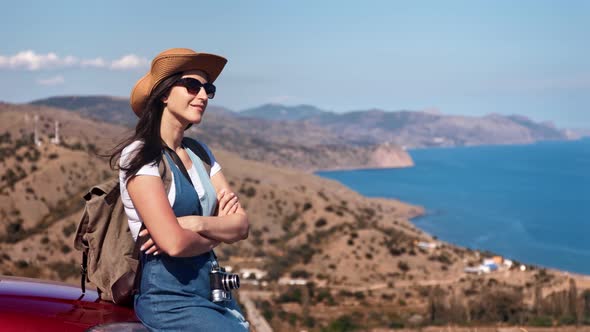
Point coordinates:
[(110, 257)]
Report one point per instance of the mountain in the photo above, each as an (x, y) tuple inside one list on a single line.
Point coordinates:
[(306, 125), (104, 108), (416, 128), (578, 132), (279, 112)]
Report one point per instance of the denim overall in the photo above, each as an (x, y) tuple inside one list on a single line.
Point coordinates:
[(174, 293)]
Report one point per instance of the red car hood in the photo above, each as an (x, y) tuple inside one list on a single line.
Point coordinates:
[(37, 305)]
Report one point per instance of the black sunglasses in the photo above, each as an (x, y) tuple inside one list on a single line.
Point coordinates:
[(193, 86)]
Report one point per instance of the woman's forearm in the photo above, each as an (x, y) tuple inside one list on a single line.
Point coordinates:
[(192, 244), (227, 229)]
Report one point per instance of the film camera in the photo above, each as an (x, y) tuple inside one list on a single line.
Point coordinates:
[(222, 283)]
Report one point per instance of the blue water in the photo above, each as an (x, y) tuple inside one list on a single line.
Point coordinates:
[(528, 202)]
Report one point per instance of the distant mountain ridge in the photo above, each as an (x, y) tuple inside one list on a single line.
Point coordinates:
[(280, 112), (106, 108), (310, 126), (418, 128), (579, 132)]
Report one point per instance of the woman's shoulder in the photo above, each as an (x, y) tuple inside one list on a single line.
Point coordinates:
[(127, 156), (129, 152), (132, 147)]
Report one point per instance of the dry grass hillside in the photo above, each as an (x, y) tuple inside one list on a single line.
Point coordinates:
[(331, 257), (41, 187)]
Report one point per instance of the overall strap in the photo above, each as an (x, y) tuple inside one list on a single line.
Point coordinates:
[(198, 149)]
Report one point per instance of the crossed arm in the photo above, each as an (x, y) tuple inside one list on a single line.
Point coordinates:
[(190, 235)]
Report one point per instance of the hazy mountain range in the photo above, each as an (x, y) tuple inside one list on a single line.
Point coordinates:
[(310, 126), (416, 128)]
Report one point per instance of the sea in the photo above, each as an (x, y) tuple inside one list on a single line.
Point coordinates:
[(529, 203)]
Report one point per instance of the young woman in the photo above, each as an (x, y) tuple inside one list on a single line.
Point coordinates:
[(183, 224)]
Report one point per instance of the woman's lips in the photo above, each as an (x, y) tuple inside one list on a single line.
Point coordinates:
[(200, 107)]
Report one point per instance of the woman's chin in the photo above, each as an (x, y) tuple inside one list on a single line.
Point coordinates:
[(195, 119)]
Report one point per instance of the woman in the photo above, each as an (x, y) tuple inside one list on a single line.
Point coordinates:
[(183, 229)]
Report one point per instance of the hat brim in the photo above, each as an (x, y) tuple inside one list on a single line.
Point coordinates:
[(170, 64)]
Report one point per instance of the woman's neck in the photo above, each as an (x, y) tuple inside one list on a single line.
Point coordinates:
[(171, 131)]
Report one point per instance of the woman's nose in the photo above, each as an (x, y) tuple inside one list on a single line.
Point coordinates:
[(202, 94)]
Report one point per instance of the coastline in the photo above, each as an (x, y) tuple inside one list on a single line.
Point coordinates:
[(423, 214)]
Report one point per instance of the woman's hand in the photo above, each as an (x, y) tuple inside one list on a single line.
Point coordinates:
[(228, 203), (191, 223), (149, 244)]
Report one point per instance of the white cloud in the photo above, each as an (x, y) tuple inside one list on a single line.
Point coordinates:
[(130, 61), (29, 60), (70, 61), (56, 80), (97, 63)]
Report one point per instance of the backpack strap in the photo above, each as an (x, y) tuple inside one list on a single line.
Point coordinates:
[(197, 148), (176, 159), (165, 173)]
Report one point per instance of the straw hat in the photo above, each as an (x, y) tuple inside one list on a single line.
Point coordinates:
[(169, 62)]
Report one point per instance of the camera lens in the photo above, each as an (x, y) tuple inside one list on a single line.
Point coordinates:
[(230, 281)]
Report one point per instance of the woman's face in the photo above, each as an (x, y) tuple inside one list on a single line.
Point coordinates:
[(184, 106)]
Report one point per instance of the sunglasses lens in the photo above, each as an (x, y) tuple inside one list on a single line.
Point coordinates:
[(210, 90), (193, 86)]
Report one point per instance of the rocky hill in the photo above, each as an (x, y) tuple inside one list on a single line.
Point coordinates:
[(327, 255)]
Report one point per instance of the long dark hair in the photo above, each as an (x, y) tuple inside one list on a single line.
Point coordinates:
[(147, 131)]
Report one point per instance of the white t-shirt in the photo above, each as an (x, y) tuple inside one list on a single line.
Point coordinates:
[(152, 170)]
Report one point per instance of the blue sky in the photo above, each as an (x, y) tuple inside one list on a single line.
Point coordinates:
[(457, 57)]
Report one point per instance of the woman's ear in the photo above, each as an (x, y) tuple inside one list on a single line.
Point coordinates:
[(164, 98)]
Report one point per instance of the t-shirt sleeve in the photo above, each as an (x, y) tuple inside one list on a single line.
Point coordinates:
[(215, 166), (127, 155)]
